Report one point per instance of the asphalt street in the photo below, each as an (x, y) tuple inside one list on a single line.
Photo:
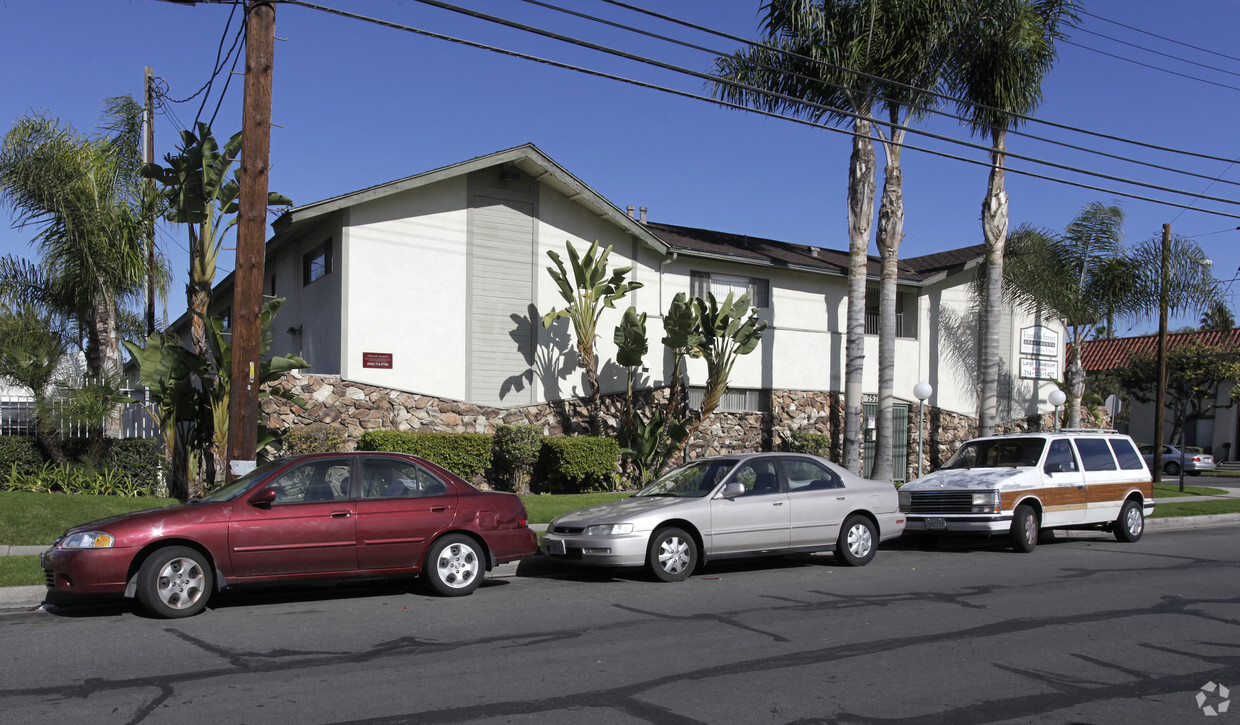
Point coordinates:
[(1084, 630)]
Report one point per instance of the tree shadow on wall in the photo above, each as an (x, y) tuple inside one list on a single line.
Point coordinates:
[(961, 344)]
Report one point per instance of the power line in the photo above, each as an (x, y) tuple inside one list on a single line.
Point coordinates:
[(1156, 35), (792, 99), (685, 94), (943, 96), (936, 111), (1159, 52), (1151, 67)]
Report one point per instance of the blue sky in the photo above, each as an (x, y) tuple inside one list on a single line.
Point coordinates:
[(358, 104)]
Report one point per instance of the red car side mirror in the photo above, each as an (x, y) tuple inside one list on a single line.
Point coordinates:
[(263, 498)]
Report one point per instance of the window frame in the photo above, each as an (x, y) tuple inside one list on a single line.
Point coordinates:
[(310, 262)]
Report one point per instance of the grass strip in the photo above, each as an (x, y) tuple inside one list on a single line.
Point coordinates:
[(1167, 489), (20, 571), (36, 519), (1196, 508), (542, 509)]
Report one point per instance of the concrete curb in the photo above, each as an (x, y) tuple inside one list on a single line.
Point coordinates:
[(34, 596)]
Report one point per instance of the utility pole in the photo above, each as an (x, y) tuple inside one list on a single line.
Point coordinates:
[(1164, 301), (251, 237), (150, 240)]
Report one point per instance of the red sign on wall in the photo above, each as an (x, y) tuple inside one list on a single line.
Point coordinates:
[(382, 360)]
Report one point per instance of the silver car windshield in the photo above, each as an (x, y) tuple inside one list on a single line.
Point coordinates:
[(694, 480), (998, 453)]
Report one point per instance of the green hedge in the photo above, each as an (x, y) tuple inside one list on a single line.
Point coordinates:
[(21, 451), (465, 454), (818, 444), (576, 464), (514, 452)]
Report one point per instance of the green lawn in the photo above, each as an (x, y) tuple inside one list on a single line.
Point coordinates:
[(544, 508), (20, 571), (30, 519), (1167, 489), (1196, 508)]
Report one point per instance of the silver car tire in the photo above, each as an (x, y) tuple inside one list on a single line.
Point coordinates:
[(175, 582), (1131, 522), (858, 541), (672, 555), (454, 566)]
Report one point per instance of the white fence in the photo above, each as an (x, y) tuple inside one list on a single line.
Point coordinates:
[(17, 417)]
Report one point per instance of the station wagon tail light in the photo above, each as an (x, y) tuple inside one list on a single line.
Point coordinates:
[(986, 502), (88, 540), (608, 529)]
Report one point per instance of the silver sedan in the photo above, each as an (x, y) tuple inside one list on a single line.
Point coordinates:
[(733, 506)]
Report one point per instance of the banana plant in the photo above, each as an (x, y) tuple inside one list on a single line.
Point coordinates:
[(684, 338), (587, 293), (200, 194)]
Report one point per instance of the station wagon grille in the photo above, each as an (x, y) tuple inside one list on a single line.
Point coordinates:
[(940, 502)]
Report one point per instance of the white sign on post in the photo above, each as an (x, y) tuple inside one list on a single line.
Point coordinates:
[(1040, 341)]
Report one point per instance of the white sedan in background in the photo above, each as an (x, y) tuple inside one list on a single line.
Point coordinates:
[(754, 504)]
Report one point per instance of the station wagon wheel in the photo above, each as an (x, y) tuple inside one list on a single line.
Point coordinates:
[(1131, 522), (858, 541), (672, 555), (175, 582), (454, 566), (1024, 532)]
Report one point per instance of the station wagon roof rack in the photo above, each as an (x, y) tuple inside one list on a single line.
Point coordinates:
[(1074, 431)]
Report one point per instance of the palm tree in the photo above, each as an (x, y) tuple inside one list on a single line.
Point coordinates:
[(1217, 316), (917, 33), (1003, 50), (83, 197), (821, 61), (1083, 277)]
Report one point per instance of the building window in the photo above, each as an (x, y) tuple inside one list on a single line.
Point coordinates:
[(735, 400), (316, 263), (759, 290), (906, 313)]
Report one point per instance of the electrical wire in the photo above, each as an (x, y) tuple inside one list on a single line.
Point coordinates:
[(936, 111), (792, 99), (1156, 35), (1158, 52), (943, 96), (1065, 41), (685, 94)]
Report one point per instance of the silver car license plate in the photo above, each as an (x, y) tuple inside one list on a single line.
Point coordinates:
[(554, 548)]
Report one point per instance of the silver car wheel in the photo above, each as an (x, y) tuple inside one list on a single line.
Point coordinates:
[(860, 541), (674, 555), (457, 565), (181, 583), (1134, 521)]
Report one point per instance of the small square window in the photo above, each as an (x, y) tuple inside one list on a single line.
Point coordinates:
[(317, 263)]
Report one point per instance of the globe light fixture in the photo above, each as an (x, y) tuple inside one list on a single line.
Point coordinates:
[(1056, 398), (921, 391)]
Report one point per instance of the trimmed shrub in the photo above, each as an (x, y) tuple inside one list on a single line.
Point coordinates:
[(514, 451), (20, 451), (576, 464), (138, 462), (465, 454), (318, 438), (818, 444)]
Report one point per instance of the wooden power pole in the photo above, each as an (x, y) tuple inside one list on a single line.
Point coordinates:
[(251, 237), (150, 240), (1160, 397)]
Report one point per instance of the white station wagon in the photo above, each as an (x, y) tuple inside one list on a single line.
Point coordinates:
[(1019, 484)]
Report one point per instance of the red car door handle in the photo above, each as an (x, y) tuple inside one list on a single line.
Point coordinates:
[(439, 508), (341, 514)]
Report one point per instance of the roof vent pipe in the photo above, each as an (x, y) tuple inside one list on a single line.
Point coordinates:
[(643, 215), (813, 251), (630, 207)]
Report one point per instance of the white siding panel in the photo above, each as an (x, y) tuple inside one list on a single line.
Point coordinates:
[(501, 289)]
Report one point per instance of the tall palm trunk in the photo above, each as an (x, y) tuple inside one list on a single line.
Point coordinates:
[(1075, 375), (995, 228), (860, 219), (890, 234), (105, 363)]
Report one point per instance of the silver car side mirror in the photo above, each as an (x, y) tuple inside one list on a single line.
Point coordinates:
[(734, 489)]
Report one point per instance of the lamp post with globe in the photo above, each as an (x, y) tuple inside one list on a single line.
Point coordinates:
[(922, 391), (1056, 398)]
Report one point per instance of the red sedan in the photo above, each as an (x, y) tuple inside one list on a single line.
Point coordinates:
[(324, 515)]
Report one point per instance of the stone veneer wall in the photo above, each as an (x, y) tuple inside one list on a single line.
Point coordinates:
[(359, 408)]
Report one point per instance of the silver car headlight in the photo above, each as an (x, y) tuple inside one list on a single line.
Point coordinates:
[(986, 502), (608, 529), (88, 540)]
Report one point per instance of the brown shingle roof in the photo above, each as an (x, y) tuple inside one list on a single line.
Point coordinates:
[(783, 254), (1113, 353)]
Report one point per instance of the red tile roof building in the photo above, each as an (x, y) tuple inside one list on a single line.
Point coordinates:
[(1114, 353)]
